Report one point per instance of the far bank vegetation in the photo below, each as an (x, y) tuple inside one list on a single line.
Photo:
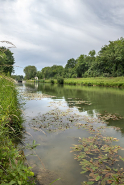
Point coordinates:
[(108, 62)]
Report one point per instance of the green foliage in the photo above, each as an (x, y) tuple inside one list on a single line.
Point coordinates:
[(42, 80), (92, 53), (17, 77), (6, 60), (52, 72), (56, 71), (52, 81), (12, 168), (106, 75), (70, 73), (83, 64), (94, 81), (60, 81), (70, 63), (97, 81), (109, 62), (110, 58), (9, 105), (99, 158), (30, 72), (74, 75), (39, 74), (46, 72)]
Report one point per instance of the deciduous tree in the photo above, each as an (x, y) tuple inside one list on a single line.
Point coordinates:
[(6, 61), (30, 72)]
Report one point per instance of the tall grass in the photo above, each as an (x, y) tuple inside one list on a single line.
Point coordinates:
[(94, 81), (9, 104), (97, 81), (12, 168)]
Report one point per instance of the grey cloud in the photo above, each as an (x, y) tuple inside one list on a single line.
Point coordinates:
[(51, 32)]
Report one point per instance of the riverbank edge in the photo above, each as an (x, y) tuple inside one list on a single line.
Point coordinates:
[(96, 81), (12, 164)]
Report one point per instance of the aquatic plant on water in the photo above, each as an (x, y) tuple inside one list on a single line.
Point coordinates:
[(99, 158)]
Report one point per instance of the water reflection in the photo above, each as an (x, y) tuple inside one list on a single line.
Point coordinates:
[(54, 149), (101, 99)]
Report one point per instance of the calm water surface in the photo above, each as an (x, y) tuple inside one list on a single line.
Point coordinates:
[(50, 121)]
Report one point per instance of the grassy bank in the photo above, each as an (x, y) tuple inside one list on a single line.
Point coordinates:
[(97, 81), (9, 105), (12, 168)]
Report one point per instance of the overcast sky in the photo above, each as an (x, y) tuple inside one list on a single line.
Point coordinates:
[(48, 32)]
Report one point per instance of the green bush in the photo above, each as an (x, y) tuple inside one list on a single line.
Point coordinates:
[(12, 168), (52, 81), (106, 75), (60, 81), (74, 76), (42, 80)]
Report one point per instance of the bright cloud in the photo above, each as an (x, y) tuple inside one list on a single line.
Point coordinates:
[(51, 32)]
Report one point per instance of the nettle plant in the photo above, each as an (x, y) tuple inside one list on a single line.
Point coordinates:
[(99, 158)]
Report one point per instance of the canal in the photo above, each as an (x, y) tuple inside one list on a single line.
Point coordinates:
[(53, 117)]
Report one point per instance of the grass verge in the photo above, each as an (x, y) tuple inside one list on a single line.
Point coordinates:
[(96, 81), (12, 168)]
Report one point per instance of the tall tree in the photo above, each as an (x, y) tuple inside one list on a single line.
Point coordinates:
[(6, 60), (30, 72), (70, 63), (46, 72), (39, 74), (81, 66), (56, 71), (70, 70), (111, 58), (52, 72)]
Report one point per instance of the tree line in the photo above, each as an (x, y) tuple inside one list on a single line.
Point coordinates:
[(108, 62)]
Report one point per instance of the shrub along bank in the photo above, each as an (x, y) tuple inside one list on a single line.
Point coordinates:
[(12, 168), (94, 81)]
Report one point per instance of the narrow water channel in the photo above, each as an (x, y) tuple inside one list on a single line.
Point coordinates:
[(53, 115)]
